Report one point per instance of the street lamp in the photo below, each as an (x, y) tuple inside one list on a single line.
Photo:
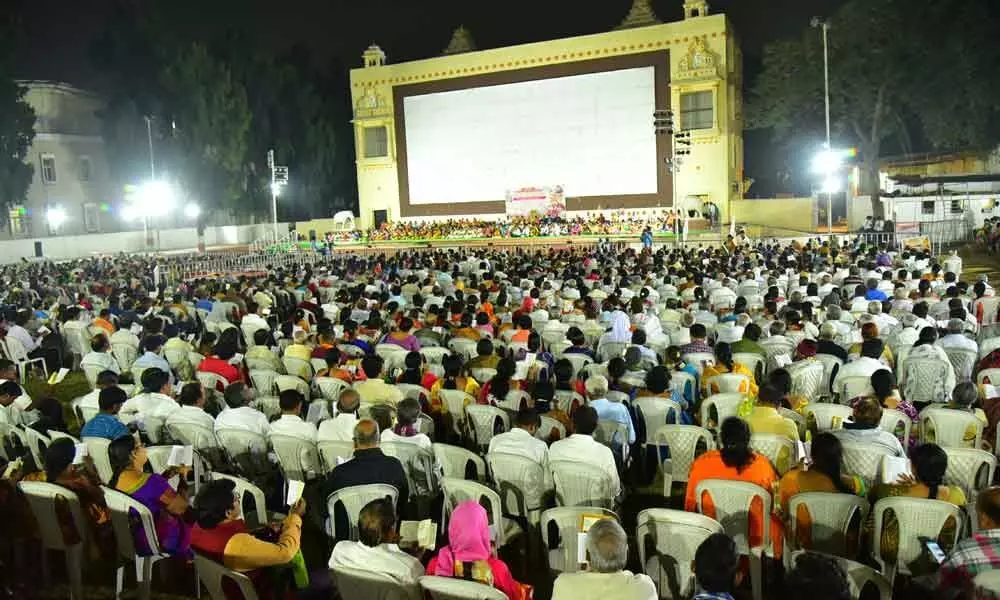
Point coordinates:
[(825, 26), (192, 211), (56, 216)]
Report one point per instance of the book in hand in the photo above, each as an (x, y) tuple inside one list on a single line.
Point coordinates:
[(43, 330), (317, 412), (80, 454), (58, 376), (422, 534), (181, 456), (893, 467), (295, 489)]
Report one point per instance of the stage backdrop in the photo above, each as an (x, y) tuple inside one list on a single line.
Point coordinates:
[(592, 132)]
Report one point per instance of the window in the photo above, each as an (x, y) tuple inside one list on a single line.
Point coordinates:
[(376, 141), (698, 110), (83, 169), (91, 218), (19, 222), (48, 168), (927, 207), (956, 207)]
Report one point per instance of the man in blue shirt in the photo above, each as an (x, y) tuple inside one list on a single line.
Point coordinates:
[(152, 358), (105, 424), (607, 410), (873, 292)]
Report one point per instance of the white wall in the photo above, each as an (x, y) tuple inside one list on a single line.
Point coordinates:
[(81, 246)]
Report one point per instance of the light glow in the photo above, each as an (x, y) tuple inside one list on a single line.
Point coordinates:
[(192, 211), (831, 185), (56, 216)]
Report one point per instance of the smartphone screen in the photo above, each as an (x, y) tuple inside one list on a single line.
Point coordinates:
[(934, 549)]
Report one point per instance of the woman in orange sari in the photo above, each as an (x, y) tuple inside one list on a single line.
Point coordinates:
[(735, 461)]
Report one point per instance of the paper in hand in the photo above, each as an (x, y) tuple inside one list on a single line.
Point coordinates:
[(58, 376), (581, 548), (295, 489), (181, 455), (317, 412), (81, 453), (893, 467), (136, 329), (43, 330), (422, 534)]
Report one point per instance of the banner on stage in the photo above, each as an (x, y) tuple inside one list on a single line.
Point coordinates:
[(539, 201)]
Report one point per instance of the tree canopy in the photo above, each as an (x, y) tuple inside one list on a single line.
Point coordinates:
[(17, 125), (904, 69)]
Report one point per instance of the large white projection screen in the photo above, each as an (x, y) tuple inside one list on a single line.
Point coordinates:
[(590, 133)]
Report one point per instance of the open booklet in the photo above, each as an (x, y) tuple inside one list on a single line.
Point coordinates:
[(422, 534), (295, 489), (523, 367), (80, 454), (317, 412), (893, 467), (181, 455)]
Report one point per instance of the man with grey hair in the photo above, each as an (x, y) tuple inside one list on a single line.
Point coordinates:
[(884, 322), (368, 465), (956, 339), (606, 577), (608, 410)]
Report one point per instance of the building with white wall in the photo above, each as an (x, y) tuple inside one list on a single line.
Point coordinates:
[(71, 177)]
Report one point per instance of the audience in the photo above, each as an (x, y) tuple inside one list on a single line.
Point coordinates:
[(377, 549)]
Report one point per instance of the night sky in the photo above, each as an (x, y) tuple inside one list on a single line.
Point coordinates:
[(56, 34)]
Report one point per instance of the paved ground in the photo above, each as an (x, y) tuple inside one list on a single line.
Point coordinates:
[(976, 261)]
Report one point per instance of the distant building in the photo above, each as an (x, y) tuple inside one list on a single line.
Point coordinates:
[(71, 178)]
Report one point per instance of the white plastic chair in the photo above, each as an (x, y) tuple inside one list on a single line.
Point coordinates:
[(330, 387), (924, 380), (296, 367), (19, 356), (258, 515), (332, 452), (455, 402), (123, 509), (750, 360), (609, 350), (483, 419), (565, 399), (654, 413), (450, 588), (42, 499), (371, 585), (521, 483), (696, 360), (726, 405), (582, 484), (263, 381), (682, 442), (859, 576), (37, 443), (463, 346), (240, 444), (892, 420), (455, 460), (971, 469), (579, 361), (353, 499), (483, 374), (849, 388), (674, 537), (562, 551), (949, 427), (548, 424), (831, 365), (125, 354), (212, 575), (863, 460), (97, 449), (830, 517), (829, 416), (297, 457), (807, 378), (988, 581), (916, 517), (779, 449), (212, 381), (963, 361), (418, 464), (728, 383), (292, 382), (457, 491), (732, 501)]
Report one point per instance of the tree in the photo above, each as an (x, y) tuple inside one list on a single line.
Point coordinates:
[(210, 118), (17, 130), (889, 77)]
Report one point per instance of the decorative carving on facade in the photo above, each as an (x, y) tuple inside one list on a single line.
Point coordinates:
[(695, 8), (461, 41), (371, 105), (640, 15), (699, 63), (373, 56)]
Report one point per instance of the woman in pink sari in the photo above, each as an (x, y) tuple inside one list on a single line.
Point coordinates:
[(469, 554)]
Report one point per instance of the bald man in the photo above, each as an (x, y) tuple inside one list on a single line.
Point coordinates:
[(975, 554), (369, 465)]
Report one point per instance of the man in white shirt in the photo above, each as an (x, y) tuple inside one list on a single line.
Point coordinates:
[(605, 577), (154, 401), (10, 414), (192, 410), (377, 551), (238, 413), (290, 422), (864, 365), (341, 427), (955, 339), (407, 421), (864, 428), (254, 317), (521, 441), (105, 379), (100, 357), (581, 447)]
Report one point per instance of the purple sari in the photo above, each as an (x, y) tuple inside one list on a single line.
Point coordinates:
[(173, 533)]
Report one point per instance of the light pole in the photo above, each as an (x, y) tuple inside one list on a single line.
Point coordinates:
[(279, 178), (152, 177), (825, 27)]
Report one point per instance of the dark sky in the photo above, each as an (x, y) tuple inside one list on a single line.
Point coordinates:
[(56, 33)]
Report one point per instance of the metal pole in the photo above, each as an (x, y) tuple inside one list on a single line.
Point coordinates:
[(274, 195), (152, 177), (826, 85)]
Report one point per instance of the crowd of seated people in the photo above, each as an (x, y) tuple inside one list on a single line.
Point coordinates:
[(794, 365)]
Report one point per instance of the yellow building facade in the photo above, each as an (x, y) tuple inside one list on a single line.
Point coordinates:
[(699, 77)]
